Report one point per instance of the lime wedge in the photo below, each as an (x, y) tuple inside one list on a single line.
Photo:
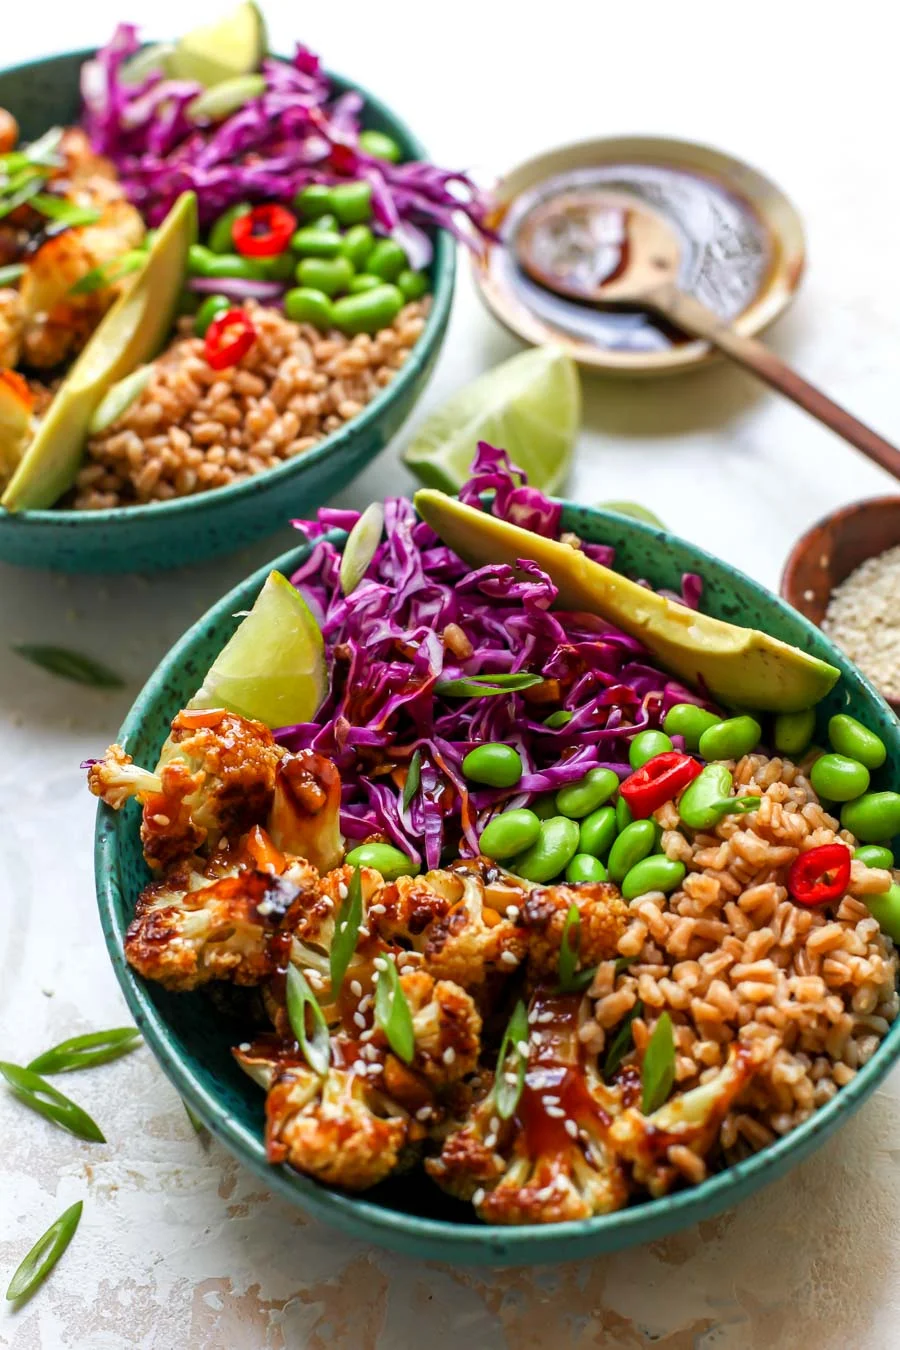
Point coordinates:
[(529, 406), (233, 46), (272, 668)]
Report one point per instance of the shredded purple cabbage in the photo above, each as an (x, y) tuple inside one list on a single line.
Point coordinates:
[(421, 615), (297, 132)]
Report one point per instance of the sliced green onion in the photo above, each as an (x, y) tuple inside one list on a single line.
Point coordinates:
[(484, 686), (572, 980), (413, 777), (316, 1047), (106, 274), (10, 200), (84, 1052), (361, 547), (658, 1068), (11, 273), (622, 1042), (43, 150), (622, 963), (70, 665), (42, 1097), (392, 1012), (506, 1095), (63, 211), (346, 932), (44, 1255), (118, 399)]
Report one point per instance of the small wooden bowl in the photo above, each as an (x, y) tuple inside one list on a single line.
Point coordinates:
[(834, 547)]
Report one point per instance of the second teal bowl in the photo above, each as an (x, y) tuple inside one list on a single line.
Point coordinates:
[(169, 534), (187, 1035)]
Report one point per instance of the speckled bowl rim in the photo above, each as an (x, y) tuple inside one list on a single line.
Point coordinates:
[(494, 1245), (443, 270)]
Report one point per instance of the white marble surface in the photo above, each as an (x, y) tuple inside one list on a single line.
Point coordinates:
[(180, 1247)]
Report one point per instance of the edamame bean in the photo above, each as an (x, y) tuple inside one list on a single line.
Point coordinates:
[(311, 242), (584, 867), (278, 268), (509, 833), (793, 732), (581, 798), (198, 258), (364, 281), (212, 305), (875, 855), (873, 817), (313, 201), (655, 873), (636, 841), (304, 304), (220, 239), (730, 739), (886, 909), (838, 778), (232, 265), (495, 764), (852, 739), (327, 222), (387, 260), (708, 798), (551, 853), (386, 859), (689, 721), (331, 275), (380, 146), (412, 284), (647, 745), (623, 814), (544, 807), (369, 311), (598, 830), (352, 202), (357, 244)]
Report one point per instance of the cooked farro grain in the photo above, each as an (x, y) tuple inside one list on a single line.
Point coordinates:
[(194, 428), (730, 956)]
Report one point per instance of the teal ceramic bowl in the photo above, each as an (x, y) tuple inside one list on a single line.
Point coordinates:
[(169, 534), (192, 1045)]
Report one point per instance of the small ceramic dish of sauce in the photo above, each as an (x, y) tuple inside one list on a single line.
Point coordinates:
[(742, 247)]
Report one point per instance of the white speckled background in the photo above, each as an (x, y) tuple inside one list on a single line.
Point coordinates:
[(178, 1246)]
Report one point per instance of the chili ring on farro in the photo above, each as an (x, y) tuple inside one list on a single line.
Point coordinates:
[(513, 904)]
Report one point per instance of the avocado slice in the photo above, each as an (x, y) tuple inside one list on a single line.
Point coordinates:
[(234, 46), (131, 332), (739, 666)]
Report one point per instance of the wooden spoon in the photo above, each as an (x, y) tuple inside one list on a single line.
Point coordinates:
[(607, 248)]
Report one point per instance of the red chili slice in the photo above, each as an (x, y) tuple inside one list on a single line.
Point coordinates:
[(820, 875), (229, 337), (659, 780), (263, 232)]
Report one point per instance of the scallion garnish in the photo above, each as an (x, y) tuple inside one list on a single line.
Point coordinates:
[(512, 1062), (84, 1052), (622, 1042), (44, 1255), (485, 686), (316, 1045), (572, 980), (11, 273), (70, 665), (42, 1097), (106, 274), (63, 211), (658, 1068), (413, 776), (346, 932), (17, 195), (392, 1012)]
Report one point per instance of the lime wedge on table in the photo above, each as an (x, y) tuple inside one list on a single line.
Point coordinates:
[(529, 406), (233, 46), (272, 668)]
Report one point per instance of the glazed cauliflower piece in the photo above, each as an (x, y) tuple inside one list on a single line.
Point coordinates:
[(552, 1160), (215, 779), (603, 915), (446, 1027), (214, 920), (306, 806)]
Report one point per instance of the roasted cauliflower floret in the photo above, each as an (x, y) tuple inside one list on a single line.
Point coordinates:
[(603, 914), (552, 1160), (690, 1120), (214, 921), (306, 808), (215, 778), (446, 1027)]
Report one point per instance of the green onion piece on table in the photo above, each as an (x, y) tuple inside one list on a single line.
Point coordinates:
[(42, 1097), (658, 1068), (392, 1012), (69, 665), (346, 932), (45, 1253), (512, 1061), (316, 1045), (413, 777), (484, 686), (85, 1052)]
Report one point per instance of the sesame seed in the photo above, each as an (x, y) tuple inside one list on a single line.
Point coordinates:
[(571, 1129), (379, 963), (537, 1037), (490, 1141), (561, 1183), (495, 1124), (363, 931), (223, 842), (449, 1055), (270, 868), (369, 1052), (376, 1069), (509, 958), (512, 912), (556, 1112), (161, 820), (378, 909), (533, 1016), (244, 1046), (510, 1078), (478, 1197), (545, 1193), (365, 1002), (359, 1019), (522, 1047), (423, 1113), (550, 1099), (546, 1017), (367, 1035), (356, 988), (342, 890)]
